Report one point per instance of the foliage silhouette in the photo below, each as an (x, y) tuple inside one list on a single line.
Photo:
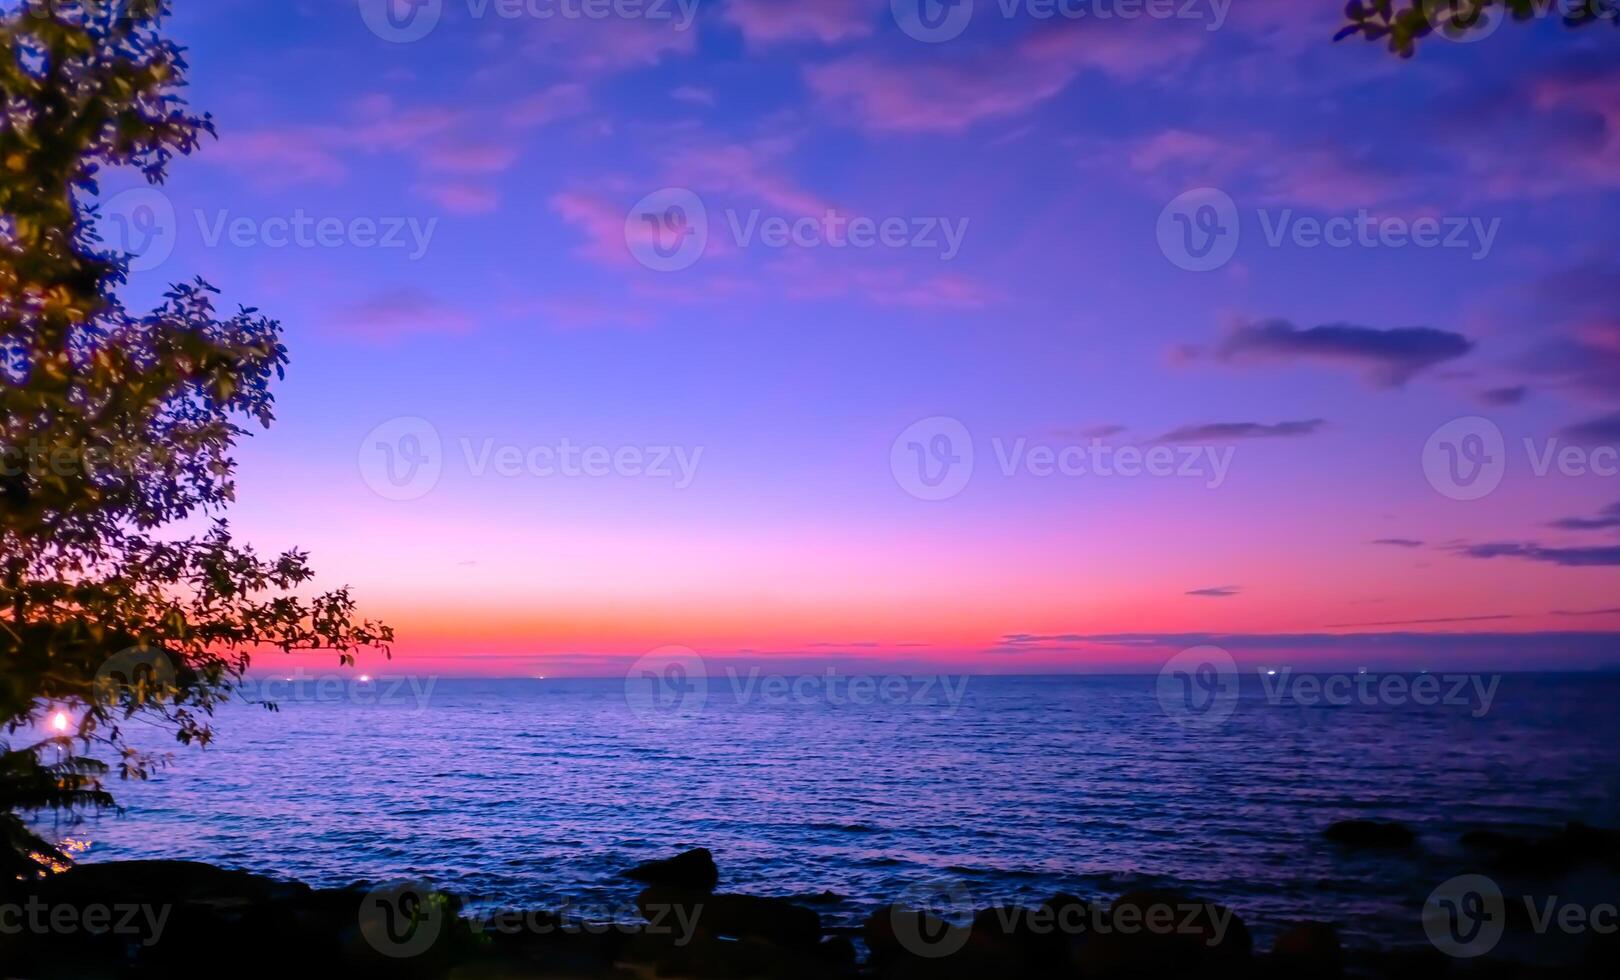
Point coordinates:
[(1403, 23), (114, 427)]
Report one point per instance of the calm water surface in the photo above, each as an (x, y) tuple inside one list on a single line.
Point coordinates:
[(528, 792)]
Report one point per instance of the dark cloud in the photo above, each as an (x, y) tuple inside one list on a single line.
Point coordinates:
[(1092, 432), (1608, 520), (1227, 431), (1598, 431), (1390, 358), (1586, 612), (1218, 592), (1388, 650), (1530, 551), (1505, 397), (1399, 542), (1424, 622)]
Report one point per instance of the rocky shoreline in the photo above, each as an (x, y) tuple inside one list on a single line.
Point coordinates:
[(162, 919)]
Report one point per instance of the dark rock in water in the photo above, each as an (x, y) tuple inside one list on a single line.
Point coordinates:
[(1021, 940), (127, 882), (895, 934), (1370, 833), (771, 920), (837, 952), (1572, 847), (1167, 934), (164, 918), (694, 870), (1308, 951), (820, 898)]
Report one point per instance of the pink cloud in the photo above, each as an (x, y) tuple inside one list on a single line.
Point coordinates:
[(692, 94), (773, 21), (950, 96), (405, 312), (746, 169), (811, 276), (559, 101), (271, 158), (279, 156), (608, 47), (458, 197), (602, 224), (469, 158), (1258, 168), (581, 313)]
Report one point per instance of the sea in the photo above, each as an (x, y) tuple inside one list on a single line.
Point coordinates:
[(537, 793)]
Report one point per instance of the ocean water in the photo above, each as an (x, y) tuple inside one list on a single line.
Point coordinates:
[(529, 793)]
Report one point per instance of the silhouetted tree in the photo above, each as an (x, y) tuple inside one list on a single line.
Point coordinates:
[(1403, 23), (113, 427)]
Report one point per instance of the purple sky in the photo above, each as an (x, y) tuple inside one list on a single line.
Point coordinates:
[(611, 333)]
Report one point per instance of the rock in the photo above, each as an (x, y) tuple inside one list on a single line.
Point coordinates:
[(1019, 939), (138, 882), (770, 920), (837, 952), (168, 916), (1309, 950), (1370, 833), (1166, 933), (896, 934), (819, 898), (694, 870), (1572, 847)]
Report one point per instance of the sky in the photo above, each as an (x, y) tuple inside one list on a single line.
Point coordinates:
[(1008, 336)]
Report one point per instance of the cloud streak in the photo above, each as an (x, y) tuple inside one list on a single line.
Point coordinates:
[(1388, 358), (1218, 592), (1228, 431)]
